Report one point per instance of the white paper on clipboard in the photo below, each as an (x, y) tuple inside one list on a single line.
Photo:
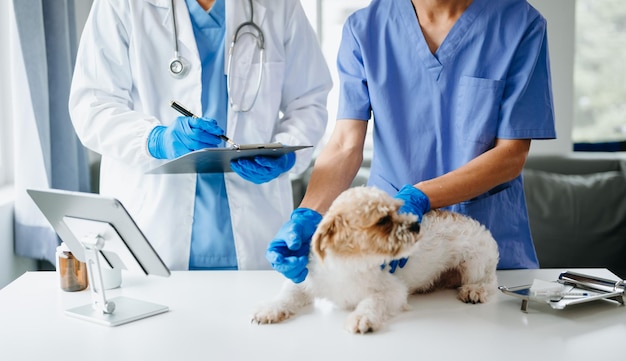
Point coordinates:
[(217, 160)]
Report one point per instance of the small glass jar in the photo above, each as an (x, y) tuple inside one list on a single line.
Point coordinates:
[(72, 272)]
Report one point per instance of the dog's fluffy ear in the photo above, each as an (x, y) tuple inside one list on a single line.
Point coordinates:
[(324, 234)]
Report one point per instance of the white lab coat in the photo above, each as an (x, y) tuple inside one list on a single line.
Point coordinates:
[(121, 90)]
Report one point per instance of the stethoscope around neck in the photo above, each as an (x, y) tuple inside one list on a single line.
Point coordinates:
[(179, 67)]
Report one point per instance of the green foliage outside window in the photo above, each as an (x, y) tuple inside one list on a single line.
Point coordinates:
[(600, 71)]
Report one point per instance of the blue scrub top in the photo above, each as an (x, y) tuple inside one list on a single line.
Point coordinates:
[(212, 241), (434, 113)]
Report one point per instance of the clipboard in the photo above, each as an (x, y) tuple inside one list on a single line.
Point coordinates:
[(217, 160)]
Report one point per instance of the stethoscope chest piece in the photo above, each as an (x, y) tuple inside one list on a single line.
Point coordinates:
[(178, 67)]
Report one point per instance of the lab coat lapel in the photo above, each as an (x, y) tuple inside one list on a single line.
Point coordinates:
[(186, 38)]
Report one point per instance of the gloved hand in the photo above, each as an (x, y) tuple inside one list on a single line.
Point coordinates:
[(288, 252), (260, 169), (185, 135), (415, 202)]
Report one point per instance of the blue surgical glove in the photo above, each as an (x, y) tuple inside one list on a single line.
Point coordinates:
[(260, 169), (185, 135), (288, 252), (415, 202)]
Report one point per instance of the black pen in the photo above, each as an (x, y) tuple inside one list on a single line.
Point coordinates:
[(182, 110)]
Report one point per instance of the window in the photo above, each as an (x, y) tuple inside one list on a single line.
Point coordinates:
[(599, 72)]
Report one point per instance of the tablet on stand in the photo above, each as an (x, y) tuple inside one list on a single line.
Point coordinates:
[(101, 233)]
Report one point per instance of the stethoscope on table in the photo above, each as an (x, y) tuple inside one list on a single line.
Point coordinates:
[(179, 67)]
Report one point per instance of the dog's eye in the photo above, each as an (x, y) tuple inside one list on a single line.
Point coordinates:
[(384, 220)]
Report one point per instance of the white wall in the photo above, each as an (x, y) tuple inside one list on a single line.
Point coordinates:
[(6, 130), (82, 10), (11, 266), (561, 22)]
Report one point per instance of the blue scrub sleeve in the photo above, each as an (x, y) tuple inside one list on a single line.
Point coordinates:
[(354, 99), (527, 106)]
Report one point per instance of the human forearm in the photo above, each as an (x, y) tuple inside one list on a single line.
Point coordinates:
[(336, 166), (331, 176), (496, 166)]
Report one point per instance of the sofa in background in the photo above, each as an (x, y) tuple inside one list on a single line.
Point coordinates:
[(577, 209)]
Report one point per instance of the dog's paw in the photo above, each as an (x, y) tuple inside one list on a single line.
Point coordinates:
[(473, 293), (360, 323), (270, 314)]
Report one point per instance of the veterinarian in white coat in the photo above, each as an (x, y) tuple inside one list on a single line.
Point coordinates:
[(122, 89)]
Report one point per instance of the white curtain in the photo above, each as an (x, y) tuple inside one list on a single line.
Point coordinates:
[(47, 152)]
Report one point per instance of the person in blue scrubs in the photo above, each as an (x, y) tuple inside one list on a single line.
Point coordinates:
[(456, 90)]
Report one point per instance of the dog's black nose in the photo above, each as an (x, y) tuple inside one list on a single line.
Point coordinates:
[(414, 227)]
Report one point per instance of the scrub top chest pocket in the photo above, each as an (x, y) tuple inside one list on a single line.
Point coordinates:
[(477, 109)]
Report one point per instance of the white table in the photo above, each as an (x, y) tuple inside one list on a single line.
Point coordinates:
[(209, 319)]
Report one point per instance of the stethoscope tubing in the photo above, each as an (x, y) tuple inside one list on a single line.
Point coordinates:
[(178, 67)]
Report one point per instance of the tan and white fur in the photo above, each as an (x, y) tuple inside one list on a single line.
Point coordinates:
[(361, 231)]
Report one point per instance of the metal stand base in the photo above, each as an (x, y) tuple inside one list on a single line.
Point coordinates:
[(126, 310)]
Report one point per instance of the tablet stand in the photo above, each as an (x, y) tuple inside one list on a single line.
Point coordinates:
[(112, 312), (92, 246), (100, 232)]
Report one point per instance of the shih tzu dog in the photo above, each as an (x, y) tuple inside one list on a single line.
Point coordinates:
[(361, 232)]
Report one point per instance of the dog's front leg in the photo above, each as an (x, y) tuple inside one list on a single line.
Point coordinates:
[(373, 311), (291, 298)]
